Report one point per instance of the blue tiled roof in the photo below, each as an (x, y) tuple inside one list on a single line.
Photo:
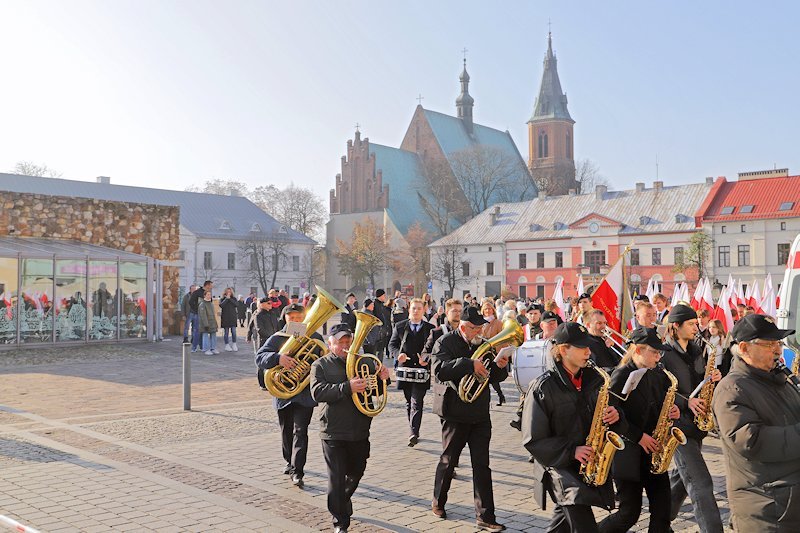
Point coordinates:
[(200, 213)]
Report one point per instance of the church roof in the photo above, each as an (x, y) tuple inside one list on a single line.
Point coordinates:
[(552, 101), (201, 213)]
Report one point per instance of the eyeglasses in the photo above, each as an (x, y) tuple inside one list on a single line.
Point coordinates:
[(767, 344)]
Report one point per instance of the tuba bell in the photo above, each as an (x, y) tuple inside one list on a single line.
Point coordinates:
[(367, 367), (285, 383), (471, 386)]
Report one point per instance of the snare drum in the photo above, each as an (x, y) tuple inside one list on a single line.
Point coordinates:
[(530, 361), (412, 375)]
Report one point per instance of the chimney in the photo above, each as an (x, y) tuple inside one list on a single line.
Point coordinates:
[(774, 173), (573, 192), (232, 191), (542, 195), (639, 187), (709, 180), (104, 179), (599, 191), (658, 185)]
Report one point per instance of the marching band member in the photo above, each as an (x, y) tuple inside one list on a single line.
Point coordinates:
[(642, 409), (646, 316), (584, 306), (465, 423), (343, 428), (557, 418), (294, 414), (534, 316), (603, 350), (687, 363), (413, 377), (452, 315), (758, 414), (492, 327)]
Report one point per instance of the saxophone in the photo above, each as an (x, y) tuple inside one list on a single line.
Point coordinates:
[(604, 442), (667, 436), (796, 364), (705, 420)]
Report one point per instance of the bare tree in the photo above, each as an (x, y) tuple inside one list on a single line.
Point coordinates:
[(367, 254), (441, 198), (222, 187), (487, 174), (414, 261), (449, 266), (29, 168), (587, 176), (265, 254), (296, 207)]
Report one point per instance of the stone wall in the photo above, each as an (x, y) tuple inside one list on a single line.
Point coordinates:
[(151, 230)]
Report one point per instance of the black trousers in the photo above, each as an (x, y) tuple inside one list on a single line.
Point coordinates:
[(572, 518), (415, 399), (630, 504), (456, 435), (294, 420), (346, 462)]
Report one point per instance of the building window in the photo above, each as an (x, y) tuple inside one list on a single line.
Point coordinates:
[(569, 146), (723, 229), (634, 257), (231, 260), (743, 227), (540, 260), (523, 291), (746, 209), (783, 226), (727, 210), (490, 269), (656, 256), (253, 290), (678, 255), (207, 260), (490, 248), (465, 269), (540, 291), (523, 260), (559, 259), (465, 250), (543, 148), (253, 262), (783, 253), (295, 263), (594, 259), (744, 255), (724, 256), (786, 206)]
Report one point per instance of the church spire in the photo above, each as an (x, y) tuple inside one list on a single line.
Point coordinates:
[(552, 101), (464, 102)]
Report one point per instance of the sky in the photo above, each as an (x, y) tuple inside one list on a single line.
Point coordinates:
[(172, 93)]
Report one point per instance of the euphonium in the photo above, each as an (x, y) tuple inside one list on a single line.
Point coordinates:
[(705, 420), (367, 367), (604, 442), (667, 437), (471, 386), (285, 383)]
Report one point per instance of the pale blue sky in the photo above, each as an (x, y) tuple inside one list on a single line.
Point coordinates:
[(170, 93)]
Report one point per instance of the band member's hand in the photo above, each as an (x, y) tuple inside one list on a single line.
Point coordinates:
[(287, 362), (649, 444), (423, 361), (402, 358), (384, 373), (609, 342), (504, 356), (716, 375), (611, 416), (479, 369), (358, 385), (697, 406), (583, 454), (674, 413)]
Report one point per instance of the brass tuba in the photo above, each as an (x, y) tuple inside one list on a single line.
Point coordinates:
[(367, 367), (471, 386), (285, 383), (668, 437), (604, 442)]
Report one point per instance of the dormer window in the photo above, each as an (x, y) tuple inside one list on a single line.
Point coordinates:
[(255, 228), (283, 229), (746, 209), (727, 210), (786, 206), (224, 225)]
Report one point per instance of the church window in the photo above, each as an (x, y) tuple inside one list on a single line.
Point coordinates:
[(543, 148), (569, 146)]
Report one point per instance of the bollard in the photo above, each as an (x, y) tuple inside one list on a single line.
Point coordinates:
[(187, 377), (10, 523)]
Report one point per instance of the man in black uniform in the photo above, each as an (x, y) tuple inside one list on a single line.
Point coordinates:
[(384, 314), (604, 351), (348, 316), (343, 428), (686, 362), (465, 423), (294, 414), (406, 346), (534, 317), (558, 414)]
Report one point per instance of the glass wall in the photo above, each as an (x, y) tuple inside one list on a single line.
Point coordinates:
[(102, 300), (36, 317), (70, 301), (8, 300), (133, 321)]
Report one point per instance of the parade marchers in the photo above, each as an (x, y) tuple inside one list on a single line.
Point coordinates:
[(756, 408)]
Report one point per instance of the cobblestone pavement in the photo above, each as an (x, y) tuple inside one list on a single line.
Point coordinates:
[(94, 439)]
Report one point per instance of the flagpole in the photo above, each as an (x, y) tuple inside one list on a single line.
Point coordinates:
[(621, 257)]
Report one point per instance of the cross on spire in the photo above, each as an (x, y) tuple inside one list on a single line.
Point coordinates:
[(357, 126), (420, 98), (464, 51)]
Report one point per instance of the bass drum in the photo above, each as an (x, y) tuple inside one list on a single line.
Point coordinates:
[(530, 361)]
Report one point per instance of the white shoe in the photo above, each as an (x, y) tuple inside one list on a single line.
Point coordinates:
[(235, 348), (228, 348), (216, 352), (209, 352)]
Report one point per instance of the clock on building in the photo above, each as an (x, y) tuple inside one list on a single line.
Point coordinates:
[(594, 227)]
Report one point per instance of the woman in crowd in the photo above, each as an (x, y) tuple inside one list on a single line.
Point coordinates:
[(229, 307)]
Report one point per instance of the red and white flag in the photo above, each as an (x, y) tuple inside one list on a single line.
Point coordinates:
[(723, 310), (558, 298), (581, 290), (707, 300), (698, 294), (731, 291), (768, 305), (651, 289), (754, 300), (741, 294), (611, 297), (676, 294)]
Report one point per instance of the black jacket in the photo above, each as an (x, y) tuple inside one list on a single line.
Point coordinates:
[(263, 325), (349, 317), (434, 336), (230, 312), (451, 361), (641, 410), (339, 419), (556, 419), (195, 298), (268, 356), (384, 314), (758, 416), (602, 355), (689, 368), (404, 340)]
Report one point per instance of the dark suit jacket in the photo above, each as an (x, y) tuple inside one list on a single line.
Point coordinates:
[(404, 340)]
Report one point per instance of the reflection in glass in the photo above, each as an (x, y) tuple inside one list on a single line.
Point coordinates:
[(70, 303), (36, 320), (103, 304), (8, 300), (133, 321)]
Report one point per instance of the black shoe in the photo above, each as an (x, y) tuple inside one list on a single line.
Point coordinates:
[(339, 529), (516, 424), (288, 469), (297, 481), (490, 526), (501, 399), (412, 441), (438, 511), (531, 459), (264, 388), (186, 340)]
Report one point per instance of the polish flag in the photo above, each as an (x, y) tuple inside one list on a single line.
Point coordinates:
[(768, 304), (698, 294), (755, 298), (723, 311), (651, 289), (684, 292), (676, 294), (580, 285), (707, 299), (558, 298), (747, 294), (731, 292), (610, 297), (740, 294)]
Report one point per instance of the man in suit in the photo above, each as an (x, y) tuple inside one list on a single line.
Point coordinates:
[(406, 346)]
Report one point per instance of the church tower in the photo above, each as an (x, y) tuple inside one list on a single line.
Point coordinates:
[(550, 136), (464, 102)]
